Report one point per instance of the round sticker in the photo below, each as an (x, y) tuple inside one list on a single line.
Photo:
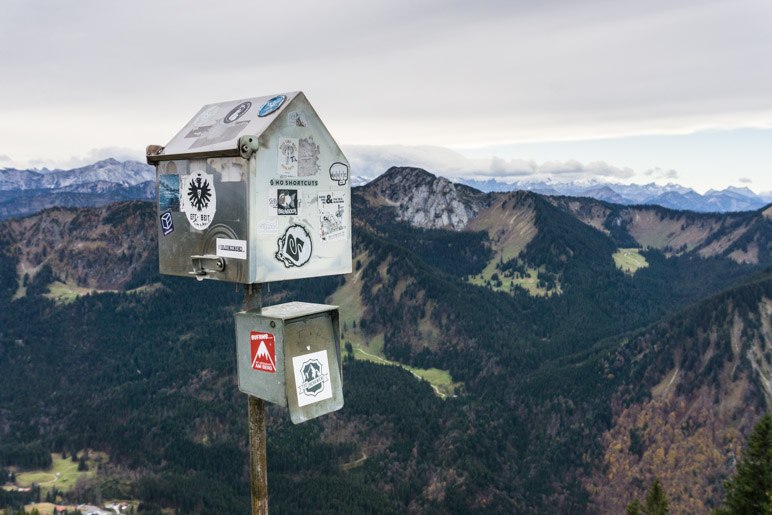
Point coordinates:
[(237, 112), (271, 106), (294, 246)]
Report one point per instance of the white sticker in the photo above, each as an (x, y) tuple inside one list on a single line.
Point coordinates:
[(312, 377), (198, 199), (236, 249), (297, 119), (332, 215), (267, 227), (339, 173), (288, 157)]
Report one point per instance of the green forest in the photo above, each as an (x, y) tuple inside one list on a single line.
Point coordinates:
[(149, 377)]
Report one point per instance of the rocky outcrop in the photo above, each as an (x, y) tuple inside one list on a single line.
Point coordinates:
[(424, 200)]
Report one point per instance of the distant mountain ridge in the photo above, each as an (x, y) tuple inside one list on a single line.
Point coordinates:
[(25, 192), (670, 195)]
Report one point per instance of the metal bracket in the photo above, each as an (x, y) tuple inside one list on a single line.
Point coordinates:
[(206, 264), (248, 145)]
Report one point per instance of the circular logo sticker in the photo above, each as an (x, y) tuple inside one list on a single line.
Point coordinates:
[(271, 106), (237, 112), (294, 246)]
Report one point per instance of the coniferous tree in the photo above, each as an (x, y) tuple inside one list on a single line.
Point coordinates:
[(634, 508), (656, 500), (750, 490)]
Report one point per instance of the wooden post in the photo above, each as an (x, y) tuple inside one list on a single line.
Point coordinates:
[(253, 301)]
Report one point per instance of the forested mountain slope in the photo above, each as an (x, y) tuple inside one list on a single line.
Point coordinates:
[(693, 386), (552, 376)]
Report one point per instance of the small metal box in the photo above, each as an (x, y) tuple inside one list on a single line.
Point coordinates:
[(289, 354), (252, 191)]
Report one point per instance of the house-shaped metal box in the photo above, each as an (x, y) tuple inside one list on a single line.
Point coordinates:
[(252, 191)]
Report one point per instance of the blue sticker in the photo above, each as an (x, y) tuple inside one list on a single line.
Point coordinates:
[(167, 222), (272, 105), (169, 192)]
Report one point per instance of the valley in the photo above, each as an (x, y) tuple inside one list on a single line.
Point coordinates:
[(567, 349)]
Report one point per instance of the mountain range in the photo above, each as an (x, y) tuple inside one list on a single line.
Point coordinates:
[(24, 192), (571, 350), (670, 195)]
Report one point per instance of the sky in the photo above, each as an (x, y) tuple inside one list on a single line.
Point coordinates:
[(664, 91)]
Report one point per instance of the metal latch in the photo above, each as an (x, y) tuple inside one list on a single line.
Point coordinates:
[(207, 264)]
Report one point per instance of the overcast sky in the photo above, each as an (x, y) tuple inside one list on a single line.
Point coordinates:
[(634, 91)]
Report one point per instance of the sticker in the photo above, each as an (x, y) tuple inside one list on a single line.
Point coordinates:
[(297, 119), (294, 246), (286, 202), (332, 215), (205, 116), (198, 199), (308, 157), (267, 227), (167, 222), (312, 377), (237, 112), (263, 347), (339, 172), (199, 132), (293, 182), (169, 192), (288, 157), (218, 133), (236, 249), (271, 106)]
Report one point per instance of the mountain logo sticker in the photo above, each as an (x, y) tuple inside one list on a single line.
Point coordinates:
[(312, 377), (263, 347), (198, 199)]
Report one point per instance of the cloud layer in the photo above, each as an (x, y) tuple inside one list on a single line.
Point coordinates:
[(371, 161), (425, 72)]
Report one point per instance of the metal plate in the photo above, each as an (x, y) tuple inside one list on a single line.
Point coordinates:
[(313, 375)]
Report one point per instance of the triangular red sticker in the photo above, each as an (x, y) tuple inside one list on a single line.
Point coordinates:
[(263, 351)]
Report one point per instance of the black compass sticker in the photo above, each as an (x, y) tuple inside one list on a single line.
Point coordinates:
[(199, 193)]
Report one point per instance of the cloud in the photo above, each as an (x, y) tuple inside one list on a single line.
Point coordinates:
[(99, 154), (371, 161), (745, 180), (91, 157), (659, 173), (500, 167)]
